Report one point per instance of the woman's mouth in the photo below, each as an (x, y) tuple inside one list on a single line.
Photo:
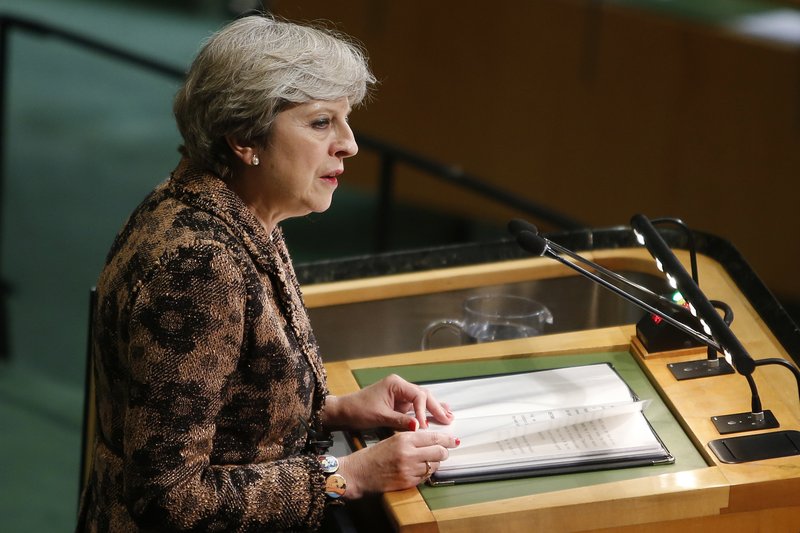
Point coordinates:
[(332, 178)]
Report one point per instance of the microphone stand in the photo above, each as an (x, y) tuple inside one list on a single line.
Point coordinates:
[(538, 245), (712, 365), (716, 327), (648, 331), (713, 325)]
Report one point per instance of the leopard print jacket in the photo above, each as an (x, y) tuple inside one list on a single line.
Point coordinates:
[(207, 372)]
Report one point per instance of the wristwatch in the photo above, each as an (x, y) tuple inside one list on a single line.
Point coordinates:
[(335, 484)]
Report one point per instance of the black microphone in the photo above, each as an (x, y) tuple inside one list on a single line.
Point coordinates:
[(712, 323), (538, 245), (517, 226), (528, 237), (531, 242), (687, 286)]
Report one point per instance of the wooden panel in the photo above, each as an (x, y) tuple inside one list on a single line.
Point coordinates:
[(778, 520), (597, 110), (644, 501)]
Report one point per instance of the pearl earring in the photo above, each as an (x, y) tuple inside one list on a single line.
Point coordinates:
[(255, 161)]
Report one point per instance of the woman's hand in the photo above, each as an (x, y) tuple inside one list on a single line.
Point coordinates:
[(402, 461), (385, 404)]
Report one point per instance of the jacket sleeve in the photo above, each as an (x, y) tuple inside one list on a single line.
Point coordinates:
[(186, 334)]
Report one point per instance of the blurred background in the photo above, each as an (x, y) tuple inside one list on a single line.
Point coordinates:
[(595, 109)]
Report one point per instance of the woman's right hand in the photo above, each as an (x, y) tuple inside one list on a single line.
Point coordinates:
[(399, 462)]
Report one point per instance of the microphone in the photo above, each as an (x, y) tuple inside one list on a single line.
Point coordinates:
[(533, 243), (712, 323), (528, 238), (752, 446), (655, 335), (517, 226), (540, 246)]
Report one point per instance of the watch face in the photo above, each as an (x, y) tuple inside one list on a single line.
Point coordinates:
[(329, 464), (335, 486)]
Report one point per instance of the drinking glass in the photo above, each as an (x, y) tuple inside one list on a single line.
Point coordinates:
[(493, 317)]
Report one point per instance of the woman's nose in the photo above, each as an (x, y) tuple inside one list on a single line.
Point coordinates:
[(346, 145)]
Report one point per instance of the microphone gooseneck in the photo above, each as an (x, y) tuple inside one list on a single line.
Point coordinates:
[(705, 310), (538, 245), (518, 226), (528, 238), (717, 333)]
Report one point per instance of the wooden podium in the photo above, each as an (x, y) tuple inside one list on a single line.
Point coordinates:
[(754, 496)]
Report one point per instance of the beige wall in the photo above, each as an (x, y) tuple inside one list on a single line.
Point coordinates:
[(600, 114)]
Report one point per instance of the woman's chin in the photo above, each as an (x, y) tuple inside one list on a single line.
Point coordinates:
[(322, 206)]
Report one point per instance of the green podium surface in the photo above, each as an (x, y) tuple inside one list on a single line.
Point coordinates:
[(669, 430)]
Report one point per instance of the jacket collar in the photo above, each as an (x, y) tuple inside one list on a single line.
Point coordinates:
[(203, 190)]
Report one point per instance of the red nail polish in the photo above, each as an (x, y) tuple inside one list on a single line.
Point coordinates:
[(413, 424)]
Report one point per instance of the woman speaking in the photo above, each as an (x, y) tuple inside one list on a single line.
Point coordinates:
[(209, 386)]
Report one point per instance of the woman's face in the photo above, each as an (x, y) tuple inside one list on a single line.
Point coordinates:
[(299, 166)]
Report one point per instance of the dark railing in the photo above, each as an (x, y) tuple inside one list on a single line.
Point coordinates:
[(390, 155)]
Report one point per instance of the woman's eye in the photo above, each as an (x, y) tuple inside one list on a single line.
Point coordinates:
[(321, 123)]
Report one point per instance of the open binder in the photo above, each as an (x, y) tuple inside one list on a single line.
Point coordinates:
[(543, 422)]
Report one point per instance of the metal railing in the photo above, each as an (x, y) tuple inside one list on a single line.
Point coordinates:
[(390, 155)]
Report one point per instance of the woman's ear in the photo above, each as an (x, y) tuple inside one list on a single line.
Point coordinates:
[(244, 151)]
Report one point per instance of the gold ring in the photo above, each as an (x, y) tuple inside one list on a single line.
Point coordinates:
[(427, 473)]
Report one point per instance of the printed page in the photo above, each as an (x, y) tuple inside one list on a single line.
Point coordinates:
[(533, 391), (620, 436), (482, 430), (549, 417)]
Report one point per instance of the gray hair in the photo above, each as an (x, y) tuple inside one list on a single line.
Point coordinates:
[(250, 71)]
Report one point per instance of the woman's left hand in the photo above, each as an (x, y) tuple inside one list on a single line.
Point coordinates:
[(385, 404)]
